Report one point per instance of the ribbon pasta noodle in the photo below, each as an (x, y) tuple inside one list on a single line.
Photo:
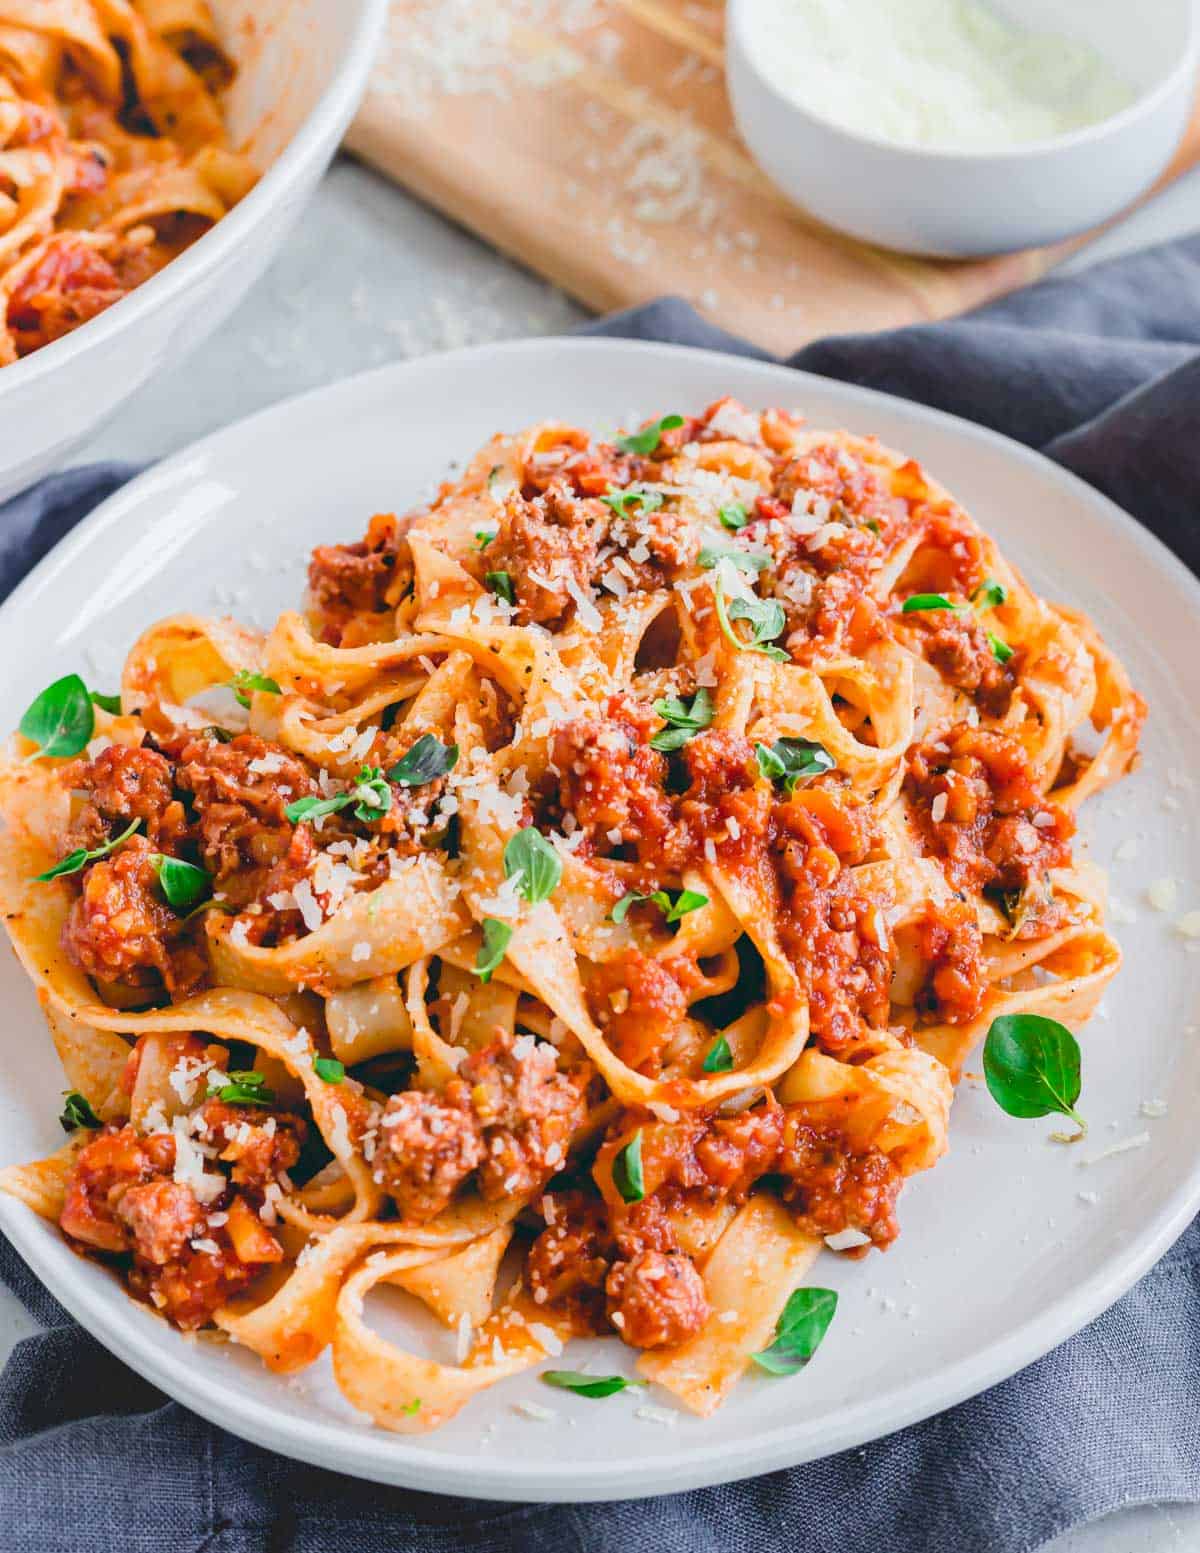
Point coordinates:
[(113, 154), (611, 867)]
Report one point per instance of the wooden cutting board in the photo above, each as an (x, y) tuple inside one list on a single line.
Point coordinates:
[(592, 140)]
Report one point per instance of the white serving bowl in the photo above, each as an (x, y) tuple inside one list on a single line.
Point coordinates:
[(302, 70), (959, 204)]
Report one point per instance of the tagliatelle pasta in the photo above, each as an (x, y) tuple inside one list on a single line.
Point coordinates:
[(113, 155), (576, 919)]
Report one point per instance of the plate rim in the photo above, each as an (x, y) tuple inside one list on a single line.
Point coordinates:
[(376, 1455)]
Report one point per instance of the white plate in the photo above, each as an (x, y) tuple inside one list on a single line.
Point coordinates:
[(1000, 1256)]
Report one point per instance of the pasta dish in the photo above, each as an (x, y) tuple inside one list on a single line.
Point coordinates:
[(577, 917), (112, 154)]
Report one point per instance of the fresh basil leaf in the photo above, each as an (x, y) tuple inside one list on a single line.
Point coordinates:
[(872, 525), (923, 601), (61, 720), (221, 735), (1032, 1066), (765, 616), (370, 795), (501, 584), (81, 857), (1001, 651), (182, 884), (595, 1386), (684, 720), (627, 1170), (313, 808), (672, 908), (793, 761), (244, 681), (752, 561), (76, 1112), (428, 759), (412, 1408), (621, 910), (243, 1088), (484, 537), (110, 704), (990, 594), (496, 939), (799, 1331), (686, 901), (329, 1070), (733, 517), (621, 501), (647, 440), (720, 1058), (530, 855)]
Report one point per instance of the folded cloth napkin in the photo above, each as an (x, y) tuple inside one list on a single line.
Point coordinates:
[(1102, 372)]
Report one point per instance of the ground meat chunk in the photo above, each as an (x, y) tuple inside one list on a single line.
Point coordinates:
[(104, 1170), (528, 1109), (69, 284), (427, 1146), (830, 1188), (366, 578), (611, 780), (240, 811), (122, 784), (656, 1299), (259, 1148), (162, 1216), (568, 1263), (640, 1003), (957, 646), (545, 543), (191, 1287), (119, 928)]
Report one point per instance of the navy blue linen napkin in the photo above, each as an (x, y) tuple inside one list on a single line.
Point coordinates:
[(1101, 371)]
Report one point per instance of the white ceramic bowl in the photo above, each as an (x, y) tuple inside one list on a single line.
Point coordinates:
[(959, 204), (302, 69)]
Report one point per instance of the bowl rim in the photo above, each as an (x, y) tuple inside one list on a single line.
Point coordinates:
[(336, 103), (1142, 106)]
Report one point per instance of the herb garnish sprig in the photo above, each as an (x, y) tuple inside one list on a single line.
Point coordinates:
[(1033, 1067)]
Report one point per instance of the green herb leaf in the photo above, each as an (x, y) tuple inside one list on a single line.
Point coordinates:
[(529, 854), (990, 594), (81, 857), (61, 720), (243, 1088), (766, 617), (484, 537), (501, 584), (243, 682), (684, 720), (923, 601), (1001, 651), (428, 759), (621, 501), (672, 908), (1033, 1068), (496, 938), (752, 561), (799, 1331), (647, 440), (329, 1070), (872, 525), (793, 761), (76, 1112), (627, 1170), (733, 517), (110, 704), (412, 1408), (595, 1386), (182, 884), (370, 795), (221, 735), (720, 1058)]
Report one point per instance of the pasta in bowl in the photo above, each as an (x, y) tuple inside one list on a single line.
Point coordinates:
[(113, 154), (616, 861)]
